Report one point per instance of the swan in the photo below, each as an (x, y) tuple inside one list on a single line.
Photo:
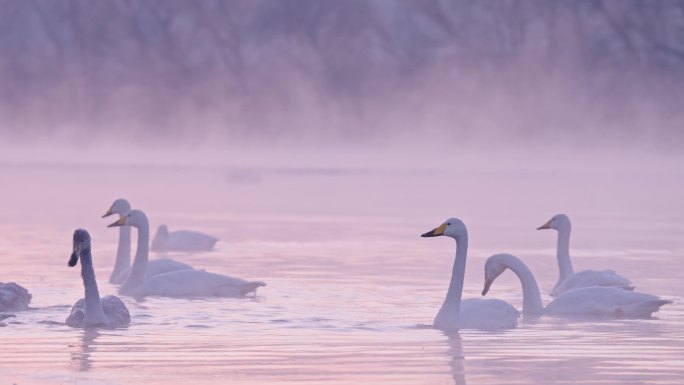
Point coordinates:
[(123, 252), (181, 240), (90, 311), (568, 279), (595, 301), (13, 297), (180, 283), (470, 313)]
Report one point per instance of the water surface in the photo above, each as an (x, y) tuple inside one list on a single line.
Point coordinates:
[(352, 288)]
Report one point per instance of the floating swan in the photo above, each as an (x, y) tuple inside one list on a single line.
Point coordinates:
[(123, 252), (470, 313), (180, 283), (181, 240), (13, 297), (595, 301), (90, 311), (568, 279)]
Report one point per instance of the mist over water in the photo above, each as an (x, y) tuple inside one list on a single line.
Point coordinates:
[(317, 140), (582, 73)]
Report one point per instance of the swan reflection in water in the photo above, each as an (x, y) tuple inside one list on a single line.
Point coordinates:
[(456, 357), (80, 355)]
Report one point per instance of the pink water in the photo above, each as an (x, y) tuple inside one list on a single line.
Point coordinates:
[(352, 289)]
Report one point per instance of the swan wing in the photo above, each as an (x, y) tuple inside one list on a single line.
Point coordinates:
[(77, 314), (589, 278), (13, 297), (604, 302), (487, 314), (116, 311), (196, 283)]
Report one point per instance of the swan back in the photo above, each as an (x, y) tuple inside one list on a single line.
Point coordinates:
[(196, 283), (155, 267), (181, 240), (605, 302), (13, 297), (589, 278), (487, 314)]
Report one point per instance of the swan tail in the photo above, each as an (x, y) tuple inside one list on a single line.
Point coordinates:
[(251, 287), (642, 309)]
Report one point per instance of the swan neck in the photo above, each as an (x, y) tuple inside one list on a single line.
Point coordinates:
[(532, 302), (93, 306), (453, 297), (563, 255), (139, 268), (123, 252)]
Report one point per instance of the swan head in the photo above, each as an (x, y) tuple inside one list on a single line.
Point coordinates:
[(120, 206), (135, 218), (162, 231), (81, 243), (494, 267), (454, 228), (558, 222)]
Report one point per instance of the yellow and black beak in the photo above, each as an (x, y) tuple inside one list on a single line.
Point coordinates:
[(436, 232), (488, 284), (120, 222), (108, 213), (546, 225)]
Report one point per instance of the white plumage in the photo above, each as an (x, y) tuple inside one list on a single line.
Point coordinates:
[(458, 314), (595, 301), (568, 279), (179, 283)]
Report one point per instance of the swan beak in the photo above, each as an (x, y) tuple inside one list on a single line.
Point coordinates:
[(120, 222), (108, 213), (74, 255), (436, 232), (488, 283), (546, 225)]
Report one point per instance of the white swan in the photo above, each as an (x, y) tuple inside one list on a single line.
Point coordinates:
[(568, 279), (595, 301), (13, 297), (180, 283), (471, 313), (181, 240), (90, 311), (123, 251)]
